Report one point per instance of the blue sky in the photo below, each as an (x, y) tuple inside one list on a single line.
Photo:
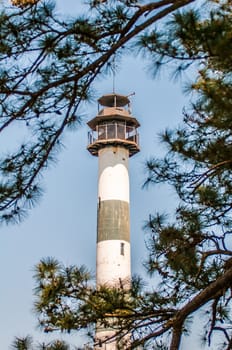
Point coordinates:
[(63, 225)]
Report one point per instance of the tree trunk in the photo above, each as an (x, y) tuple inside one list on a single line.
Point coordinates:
[(176, 337)]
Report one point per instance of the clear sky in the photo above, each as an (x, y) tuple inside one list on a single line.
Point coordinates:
[(63, 225)]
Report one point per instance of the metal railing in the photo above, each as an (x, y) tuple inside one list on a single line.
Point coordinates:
[(111, 131)]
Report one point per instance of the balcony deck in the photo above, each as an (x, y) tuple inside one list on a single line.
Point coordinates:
[(132, 146)]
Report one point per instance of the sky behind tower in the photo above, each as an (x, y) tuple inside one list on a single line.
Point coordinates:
[(63, 225)]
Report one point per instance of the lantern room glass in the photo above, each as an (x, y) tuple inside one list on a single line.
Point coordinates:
[(113, 130)]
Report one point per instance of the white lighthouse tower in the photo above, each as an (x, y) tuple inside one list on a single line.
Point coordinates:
[(113, 138)]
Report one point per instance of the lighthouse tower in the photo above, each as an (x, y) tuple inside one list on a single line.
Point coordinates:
[(113, 139)]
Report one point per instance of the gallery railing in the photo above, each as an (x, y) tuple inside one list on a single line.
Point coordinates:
[(113, 131)]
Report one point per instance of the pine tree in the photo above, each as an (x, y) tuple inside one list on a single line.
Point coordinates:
[(23, 3), (192, 252), (48, 67), (27, 344)]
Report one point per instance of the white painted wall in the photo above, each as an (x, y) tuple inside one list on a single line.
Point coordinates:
[(111, 265), (113, 174), (110, 345), (105, 335)]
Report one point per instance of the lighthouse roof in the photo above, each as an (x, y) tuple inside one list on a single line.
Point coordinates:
[(113, 100)]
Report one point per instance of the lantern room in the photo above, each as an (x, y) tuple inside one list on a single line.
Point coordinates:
[(114, 125)]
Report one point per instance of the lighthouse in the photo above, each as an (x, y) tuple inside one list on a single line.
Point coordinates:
[(113, 139)]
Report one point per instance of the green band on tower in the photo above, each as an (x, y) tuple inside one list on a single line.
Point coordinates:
[(113, 221)]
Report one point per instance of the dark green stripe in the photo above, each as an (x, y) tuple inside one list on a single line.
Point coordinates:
[(113, 220)]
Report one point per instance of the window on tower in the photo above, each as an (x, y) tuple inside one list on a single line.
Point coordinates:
[(122, 248)]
